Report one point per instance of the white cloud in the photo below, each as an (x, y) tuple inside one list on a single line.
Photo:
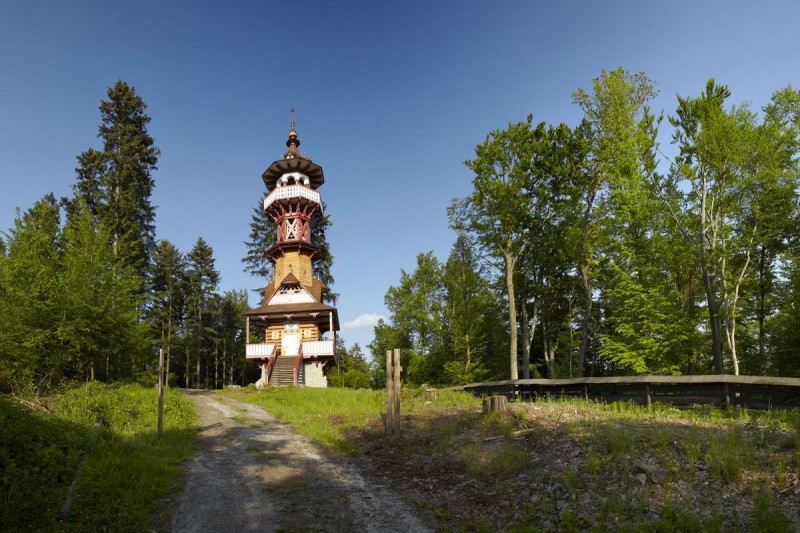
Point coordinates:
[(365, 320)]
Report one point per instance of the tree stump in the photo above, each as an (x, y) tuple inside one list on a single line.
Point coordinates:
[(495, 404)]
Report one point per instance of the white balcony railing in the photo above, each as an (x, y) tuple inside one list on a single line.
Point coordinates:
[(291, 191), (260, 351), (317, 348)]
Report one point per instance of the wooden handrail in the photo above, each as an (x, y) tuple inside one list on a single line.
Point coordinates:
[(271, 363), (297, 363)]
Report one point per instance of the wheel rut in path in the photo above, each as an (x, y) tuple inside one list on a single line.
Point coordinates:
[(251, 472)]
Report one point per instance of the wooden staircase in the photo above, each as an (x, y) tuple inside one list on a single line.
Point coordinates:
[(283, 371)]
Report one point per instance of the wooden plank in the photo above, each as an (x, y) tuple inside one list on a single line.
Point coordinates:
[(396, 386), (389, 423)]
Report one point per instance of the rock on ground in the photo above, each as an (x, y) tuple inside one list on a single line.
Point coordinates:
[(252, 473)]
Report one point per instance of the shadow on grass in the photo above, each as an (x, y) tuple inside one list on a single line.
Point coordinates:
[(120, 480)]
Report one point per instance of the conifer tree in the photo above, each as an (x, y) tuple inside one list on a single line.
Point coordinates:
[(116, 182), (168, 298), (202, 279)]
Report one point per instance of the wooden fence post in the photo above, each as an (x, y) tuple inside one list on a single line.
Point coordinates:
[(388, 423), (392, 422), (396, 387)]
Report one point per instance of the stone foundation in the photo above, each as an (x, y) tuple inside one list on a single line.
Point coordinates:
[(313, 375)]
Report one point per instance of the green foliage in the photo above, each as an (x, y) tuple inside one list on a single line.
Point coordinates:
[(604, 262), (100, 327), (415, 303), (458, 373), (387, 337), (646, 333), (263, 234), (352, 369), (126, 468), (70, 306), (38, 457), (498, 212), (116, 183), (444, 319), (29, 274), (202, 279)]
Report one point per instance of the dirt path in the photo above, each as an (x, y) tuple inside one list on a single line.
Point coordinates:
[(252, 473)]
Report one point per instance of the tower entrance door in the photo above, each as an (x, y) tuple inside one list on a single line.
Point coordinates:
[(290, 344)]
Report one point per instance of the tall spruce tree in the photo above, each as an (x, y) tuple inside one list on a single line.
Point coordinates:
[(168, 298), (116, 182), (202, 280), (263, 235)]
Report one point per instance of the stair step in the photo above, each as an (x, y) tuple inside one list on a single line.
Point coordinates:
[(283, 371)]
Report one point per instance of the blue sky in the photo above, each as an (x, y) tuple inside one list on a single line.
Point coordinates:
[(391, 98)]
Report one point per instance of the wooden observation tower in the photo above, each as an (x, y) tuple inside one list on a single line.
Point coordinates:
[(292, 315)]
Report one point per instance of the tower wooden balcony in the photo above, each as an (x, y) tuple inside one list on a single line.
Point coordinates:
[(291, 192), (308, 349)]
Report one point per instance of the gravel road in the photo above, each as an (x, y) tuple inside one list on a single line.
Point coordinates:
[(251, 472)]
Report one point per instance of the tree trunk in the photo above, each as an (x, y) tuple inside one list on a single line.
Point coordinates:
[(525, 334), (512, 312), (224, 363), (549, 349), (587, 317), (230, 381), (762, 308), (495, 404), (583, 267), (168, 351), (528, 334), (714, 323)]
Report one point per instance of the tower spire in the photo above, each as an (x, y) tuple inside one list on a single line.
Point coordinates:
[(293, 142)]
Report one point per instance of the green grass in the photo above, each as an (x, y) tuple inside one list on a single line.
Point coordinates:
[(768, 516), (321, 414), (327, 415), (126, 468)]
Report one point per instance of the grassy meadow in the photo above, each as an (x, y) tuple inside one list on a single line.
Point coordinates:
[(112, 428), (564, 465)]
